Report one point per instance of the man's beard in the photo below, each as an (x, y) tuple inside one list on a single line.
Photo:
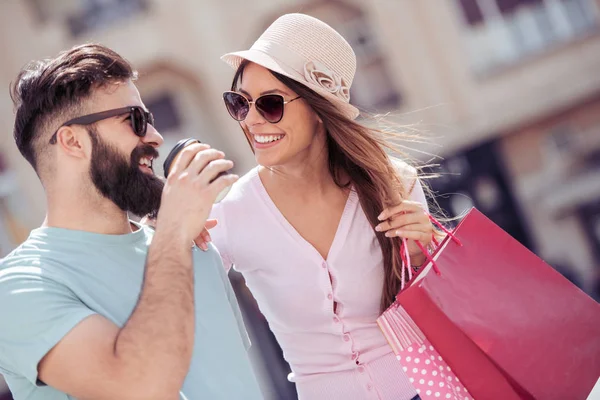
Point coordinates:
[(121, 180)]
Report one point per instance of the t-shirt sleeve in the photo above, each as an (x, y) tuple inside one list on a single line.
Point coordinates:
[(36, 312), (219, 236)]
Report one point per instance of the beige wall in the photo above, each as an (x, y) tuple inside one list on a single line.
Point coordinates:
[(423, 43), (427, 48)]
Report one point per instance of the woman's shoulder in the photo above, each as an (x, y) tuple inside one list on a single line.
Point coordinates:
[(405, 170), (407, 173)]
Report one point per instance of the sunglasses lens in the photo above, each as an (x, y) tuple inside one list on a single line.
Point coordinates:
[(237, 105), (150, 118), (138, 121), (271, 107)]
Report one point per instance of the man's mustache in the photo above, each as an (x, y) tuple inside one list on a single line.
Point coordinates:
[(145, 150)]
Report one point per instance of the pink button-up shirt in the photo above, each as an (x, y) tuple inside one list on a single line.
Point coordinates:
[(334, 354)]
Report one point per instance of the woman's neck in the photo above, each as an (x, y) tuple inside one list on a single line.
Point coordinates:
[(304, 174)]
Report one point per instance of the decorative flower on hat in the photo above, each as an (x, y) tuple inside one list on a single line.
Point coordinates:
[(318, 74)]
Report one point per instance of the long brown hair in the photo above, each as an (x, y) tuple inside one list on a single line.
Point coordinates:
[(358, 152)]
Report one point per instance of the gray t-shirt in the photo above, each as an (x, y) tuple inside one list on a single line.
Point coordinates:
[(58, 277)]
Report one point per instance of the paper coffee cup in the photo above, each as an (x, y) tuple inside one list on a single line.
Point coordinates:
[(174, 155)]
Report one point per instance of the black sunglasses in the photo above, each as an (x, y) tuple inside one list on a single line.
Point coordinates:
[(140, 119), (270, 106)]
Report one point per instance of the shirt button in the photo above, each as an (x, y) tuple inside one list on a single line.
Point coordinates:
[(324, 265), (336, 320), (361, 370), (346, 338), (369, 386), (330, 296)]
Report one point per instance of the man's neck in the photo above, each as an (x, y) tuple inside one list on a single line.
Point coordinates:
[(86, 213)]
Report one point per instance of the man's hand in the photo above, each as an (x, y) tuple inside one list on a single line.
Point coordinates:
[(190, 192)]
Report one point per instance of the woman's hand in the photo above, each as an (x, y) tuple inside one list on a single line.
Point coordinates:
[(201, 241), (410, 221)]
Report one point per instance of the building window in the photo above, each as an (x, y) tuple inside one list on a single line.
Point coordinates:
[(502, 32), (81, 16)]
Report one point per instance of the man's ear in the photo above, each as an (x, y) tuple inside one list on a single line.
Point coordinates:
[(74, 142)]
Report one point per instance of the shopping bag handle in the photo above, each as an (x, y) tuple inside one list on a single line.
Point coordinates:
[(405, 257)]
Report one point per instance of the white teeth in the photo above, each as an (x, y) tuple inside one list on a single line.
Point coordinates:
[(146, 161), (267, 138)]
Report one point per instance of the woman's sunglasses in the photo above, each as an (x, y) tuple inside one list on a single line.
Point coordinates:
[(140, 119), (269, 106)]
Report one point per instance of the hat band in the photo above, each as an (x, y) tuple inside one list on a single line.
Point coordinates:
[(292, 59), (310, 72)]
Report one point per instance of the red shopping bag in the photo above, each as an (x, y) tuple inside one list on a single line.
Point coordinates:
[(508, 324)]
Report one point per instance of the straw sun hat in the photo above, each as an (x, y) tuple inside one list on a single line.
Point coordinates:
[(308, 51)]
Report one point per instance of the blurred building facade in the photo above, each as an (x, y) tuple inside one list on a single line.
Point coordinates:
[(508, 90)]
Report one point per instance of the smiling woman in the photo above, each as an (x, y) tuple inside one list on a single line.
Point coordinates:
[(291, 136), (330, 208)]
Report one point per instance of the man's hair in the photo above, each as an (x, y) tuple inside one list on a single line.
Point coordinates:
[(48, 93)]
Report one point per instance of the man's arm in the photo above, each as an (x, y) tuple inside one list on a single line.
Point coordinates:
[(150, 356)]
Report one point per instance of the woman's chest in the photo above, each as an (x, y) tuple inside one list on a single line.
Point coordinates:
[(315, 220), (293, 283)]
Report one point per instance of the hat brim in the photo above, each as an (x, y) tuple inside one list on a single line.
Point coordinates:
[(258, 57)]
